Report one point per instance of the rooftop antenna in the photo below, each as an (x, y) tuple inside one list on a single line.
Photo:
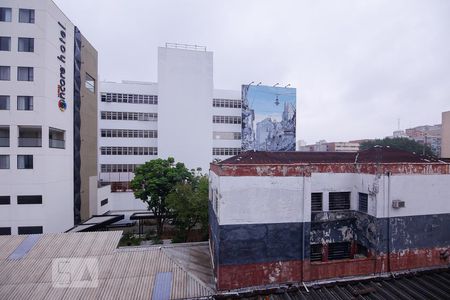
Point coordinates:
[(398, 123)]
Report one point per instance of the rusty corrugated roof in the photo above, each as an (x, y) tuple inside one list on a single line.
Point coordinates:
[(376, 154), (434, 284)]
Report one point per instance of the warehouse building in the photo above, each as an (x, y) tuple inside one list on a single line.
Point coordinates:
[(304, 216)]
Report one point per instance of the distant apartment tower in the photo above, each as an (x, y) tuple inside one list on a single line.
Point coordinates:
[(324, 146), (48, 119), (427, 135), (181, 116), (445, 150)]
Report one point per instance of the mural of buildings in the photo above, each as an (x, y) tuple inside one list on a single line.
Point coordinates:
[(283, 217), (268, 118)]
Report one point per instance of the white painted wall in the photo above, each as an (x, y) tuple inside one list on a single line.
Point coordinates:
[(423, 194), (52, 175), (185, 80), (261, 199)]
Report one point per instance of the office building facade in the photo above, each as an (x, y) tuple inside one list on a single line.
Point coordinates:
[(48, 104), (181, 116)]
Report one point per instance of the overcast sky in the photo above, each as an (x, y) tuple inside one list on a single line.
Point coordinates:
[(358, 66)]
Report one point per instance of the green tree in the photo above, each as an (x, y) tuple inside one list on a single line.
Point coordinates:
[(188, 203), (399, 143), (153, 181)]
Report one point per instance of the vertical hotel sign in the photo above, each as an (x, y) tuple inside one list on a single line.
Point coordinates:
[(62, 68)]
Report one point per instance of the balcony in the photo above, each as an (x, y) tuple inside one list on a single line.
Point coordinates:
[(56, 138), (60, 144), (30, 136), (4, 136)]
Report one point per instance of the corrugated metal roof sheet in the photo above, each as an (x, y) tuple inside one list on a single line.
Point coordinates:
[(424, 285), (122, 273), (372, 155)]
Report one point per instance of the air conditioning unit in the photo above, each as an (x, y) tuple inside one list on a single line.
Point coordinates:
[(398, 203)]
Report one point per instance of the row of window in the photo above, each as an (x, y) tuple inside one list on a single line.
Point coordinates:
[(130, 116), (129, 133), (23, 102), (31, 136), (338, 201), (22, 230), (118, 168), (28, 199), (129, 151), (226, 151), (227, 119), (25, 15), (230, 103), (24, 44), (23, 73), (23, 161), (218, 135), (129, 98)]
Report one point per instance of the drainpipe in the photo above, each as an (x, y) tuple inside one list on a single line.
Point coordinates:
[(303, 230), (389, 223)]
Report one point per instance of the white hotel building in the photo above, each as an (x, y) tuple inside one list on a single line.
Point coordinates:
[(48, 101), (181, 116)]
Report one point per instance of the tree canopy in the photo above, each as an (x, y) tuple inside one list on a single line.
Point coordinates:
[(153, 182), (189, 204), (399, 143)]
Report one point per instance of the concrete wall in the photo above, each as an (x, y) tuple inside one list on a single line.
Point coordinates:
[(445, 146), (185, 80), (89, 120), (261, 233)]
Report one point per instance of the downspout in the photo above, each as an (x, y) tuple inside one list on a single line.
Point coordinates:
[(303, 231), (389, 224)]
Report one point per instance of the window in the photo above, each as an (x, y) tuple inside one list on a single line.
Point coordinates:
[(104, 202), (5, 43), (56, 138), (24, 103), (4, 102), (339, 201), (316, 252), (33, 199), (25, 44), (26, 15), (316, 202), (24, 161), (129, 98), (89, 83), (129, 151), (363, 202), (29, 229), (227, 103), (4, 161), (5, 230), (227, 119), (4, 136), (339, 250), (5, 14), (5, 200), (25, 74), (226, 151), (5, 73), (30, 136)]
